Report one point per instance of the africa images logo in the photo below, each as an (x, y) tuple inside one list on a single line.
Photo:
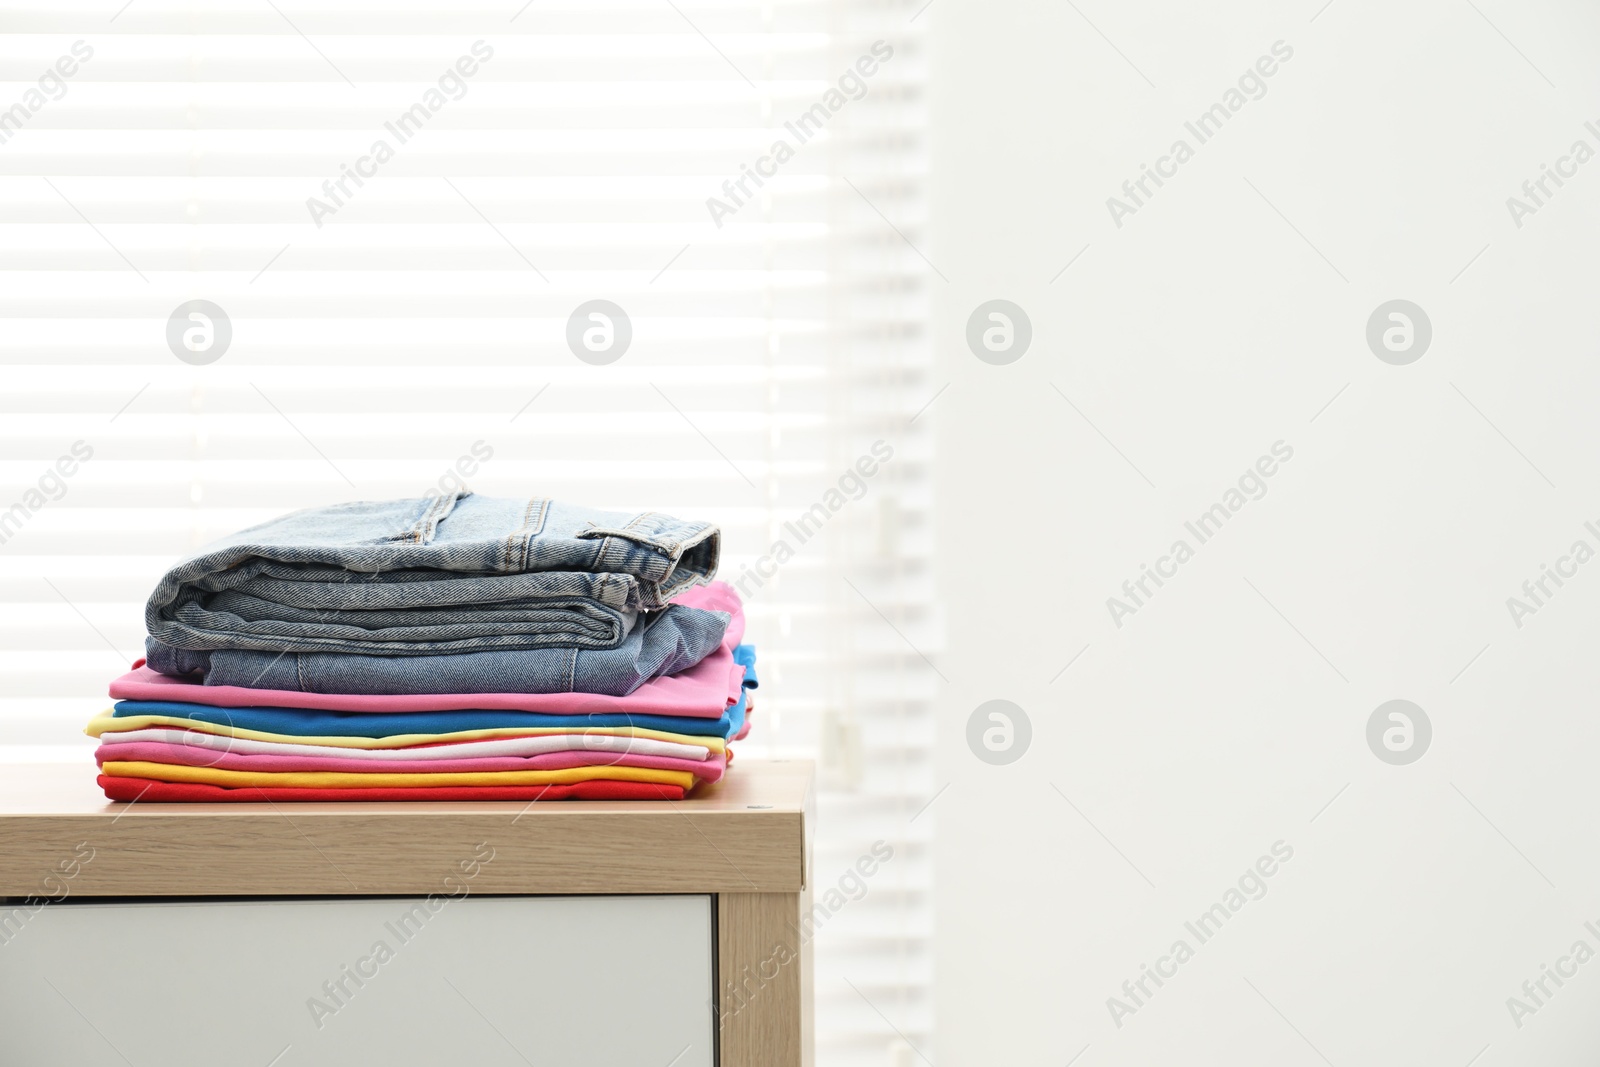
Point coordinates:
[(803, 127), (1252, 85)]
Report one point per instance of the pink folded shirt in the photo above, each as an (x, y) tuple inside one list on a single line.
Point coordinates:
[(588, 741), (707, 770), (704, 691)]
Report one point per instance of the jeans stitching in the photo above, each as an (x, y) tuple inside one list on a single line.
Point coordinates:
[(435, 515), (415, 533), (533, 522), (511, 539)]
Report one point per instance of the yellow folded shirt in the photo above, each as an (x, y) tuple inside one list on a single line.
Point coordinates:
[(173, 772), (105, 723)]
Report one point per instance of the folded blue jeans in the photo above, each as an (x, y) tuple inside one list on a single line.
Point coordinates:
[(663, 642), (439, 575)]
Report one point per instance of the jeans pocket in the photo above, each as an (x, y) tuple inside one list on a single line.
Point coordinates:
[(666, 548), (429, 512)]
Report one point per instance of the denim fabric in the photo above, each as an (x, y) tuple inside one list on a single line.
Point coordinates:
[(663, 642), (453, 574)]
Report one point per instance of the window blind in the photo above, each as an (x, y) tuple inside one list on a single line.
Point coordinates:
[(223, 300)]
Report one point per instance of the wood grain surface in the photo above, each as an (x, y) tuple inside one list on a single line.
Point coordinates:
[(744, 835), (763, 981)]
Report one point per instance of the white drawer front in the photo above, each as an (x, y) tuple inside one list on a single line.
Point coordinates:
[(598, 981)]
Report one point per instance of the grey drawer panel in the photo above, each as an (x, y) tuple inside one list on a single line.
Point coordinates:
[(601, 981)]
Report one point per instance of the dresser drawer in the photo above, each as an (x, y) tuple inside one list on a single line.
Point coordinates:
[(604, 981)]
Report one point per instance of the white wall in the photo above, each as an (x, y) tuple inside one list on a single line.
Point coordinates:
[(1213, 723)]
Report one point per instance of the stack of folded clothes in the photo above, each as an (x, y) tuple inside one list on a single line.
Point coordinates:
[(460, 647)]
